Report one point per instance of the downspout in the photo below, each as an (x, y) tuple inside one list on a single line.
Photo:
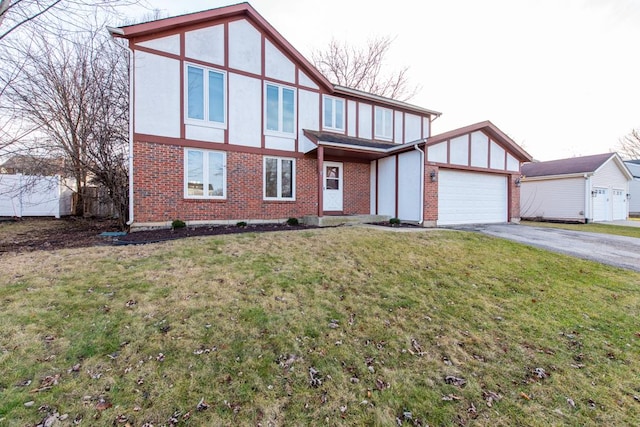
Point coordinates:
[(131, 99), (588, 200), (421, 216)]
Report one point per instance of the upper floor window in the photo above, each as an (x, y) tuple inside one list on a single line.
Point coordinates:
[(333, 113), (280, 107), (384, 123), (205, 94), (205, 174)]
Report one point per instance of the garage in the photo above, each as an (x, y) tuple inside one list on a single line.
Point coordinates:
[(471, 198)]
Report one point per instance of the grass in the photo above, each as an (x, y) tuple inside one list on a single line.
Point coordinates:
[(384, 318), (618, 230)]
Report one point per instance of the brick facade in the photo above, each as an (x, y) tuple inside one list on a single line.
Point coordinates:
[(159, 188)]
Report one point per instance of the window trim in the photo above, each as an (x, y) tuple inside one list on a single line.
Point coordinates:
[(279, 179), (385, 125), (333, 100), (205, 175), (280, 132), (225, 93)]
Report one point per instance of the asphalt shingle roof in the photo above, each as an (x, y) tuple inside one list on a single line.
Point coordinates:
[(574, 165)]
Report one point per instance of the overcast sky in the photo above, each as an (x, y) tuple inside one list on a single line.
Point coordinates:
[(561, 77)]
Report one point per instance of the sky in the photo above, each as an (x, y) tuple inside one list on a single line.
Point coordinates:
[(560, 77)]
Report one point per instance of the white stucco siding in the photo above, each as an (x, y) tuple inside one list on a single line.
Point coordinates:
[(206, 44), (157, 95), (245, 110), (277, 65), (459, 150), (426, 126), (169, 44), (245, 47), (409, 186), (497, 156), (387, 186), (512, 163), (308, 117), (204, 133), (399, 125), (553, 199), (304, 80), (352, 116), (412, 128), (437, 153), (479, 149), (365, 121)]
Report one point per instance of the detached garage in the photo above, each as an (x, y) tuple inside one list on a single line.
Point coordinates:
[(584, 189)]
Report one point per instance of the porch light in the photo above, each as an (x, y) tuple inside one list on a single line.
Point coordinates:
[(517, 182), (433, 176), (593, 193), (628, 195)]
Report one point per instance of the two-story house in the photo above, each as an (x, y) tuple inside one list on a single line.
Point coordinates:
[(231, 123)]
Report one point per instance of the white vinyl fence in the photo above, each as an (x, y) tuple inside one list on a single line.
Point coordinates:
[(26, 195)]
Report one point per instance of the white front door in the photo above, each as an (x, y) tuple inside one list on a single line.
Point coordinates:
[(333, 181), (619, 200)]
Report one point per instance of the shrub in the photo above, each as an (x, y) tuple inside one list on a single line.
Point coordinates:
[(293, 221), (241, 224), (394, 221), (178, 223)]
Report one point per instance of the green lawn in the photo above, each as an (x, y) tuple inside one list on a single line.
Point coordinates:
[(344, 326), (619, 230)]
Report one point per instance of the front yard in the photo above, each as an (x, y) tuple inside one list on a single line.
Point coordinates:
[(344, 326)]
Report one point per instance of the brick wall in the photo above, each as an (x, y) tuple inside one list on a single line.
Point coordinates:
[(430, 195), (514, 192), (159, 188)]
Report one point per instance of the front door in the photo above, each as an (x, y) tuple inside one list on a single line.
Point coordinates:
[(333, 181)]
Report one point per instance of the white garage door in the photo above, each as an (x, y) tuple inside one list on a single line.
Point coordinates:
[(600, 204), (471, 198), (619, 204)]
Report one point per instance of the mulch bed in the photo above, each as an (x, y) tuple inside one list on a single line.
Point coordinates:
[(161, 235), (390, 225)]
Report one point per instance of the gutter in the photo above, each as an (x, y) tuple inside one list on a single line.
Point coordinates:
[(421, 220), (131, 99)]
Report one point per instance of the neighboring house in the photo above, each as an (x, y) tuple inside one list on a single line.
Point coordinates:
[(585, 189), (231, 123), (634, 187), (35, 165)]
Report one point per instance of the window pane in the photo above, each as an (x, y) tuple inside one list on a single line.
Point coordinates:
[(195, 176), (287, 110), (195, 93), (216, 174), (287, 178), (328, 112), (216, 97), (339, 114), (272, 108), (271, 178), (379, 124)]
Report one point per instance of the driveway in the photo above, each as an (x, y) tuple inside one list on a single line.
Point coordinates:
[(618, 251)]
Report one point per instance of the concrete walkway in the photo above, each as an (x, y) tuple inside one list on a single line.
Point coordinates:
[(618, 251), (626, 223)]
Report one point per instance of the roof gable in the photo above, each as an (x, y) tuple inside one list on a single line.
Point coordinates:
[(241, 10), (573, 166), (491, 131)]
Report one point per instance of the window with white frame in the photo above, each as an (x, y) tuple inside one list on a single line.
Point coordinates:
[(333, 113), (279, 178), (205, 174), (280, 107), (383, 123), (205, 96)]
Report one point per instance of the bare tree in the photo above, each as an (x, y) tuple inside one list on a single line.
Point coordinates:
[(629, 145), (364, 68), (45, 14), (73, 93)]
